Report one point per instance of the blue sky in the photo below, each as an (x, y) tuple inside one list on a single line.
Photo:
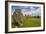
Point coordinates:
[(34, 9)]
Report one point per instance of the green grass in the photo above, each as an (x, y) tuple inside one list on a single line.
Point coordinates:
[(29, 22), (32, 22)]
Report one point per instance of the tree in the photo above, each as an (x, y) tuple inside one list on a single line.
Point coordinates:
[(18, 17)]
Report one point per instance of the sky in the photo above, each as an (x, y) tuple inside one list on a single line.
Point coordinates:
[(35, 9)]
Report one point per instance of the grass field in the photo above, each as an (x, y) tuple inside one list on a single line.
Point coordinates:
[(29, 22)]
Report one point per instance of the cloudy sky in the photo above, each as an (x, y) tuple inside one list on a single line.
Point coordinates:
[(34, 9)]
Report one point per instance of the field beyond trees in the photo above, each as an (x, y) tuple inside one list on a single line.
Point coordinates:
[(28, 22)]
